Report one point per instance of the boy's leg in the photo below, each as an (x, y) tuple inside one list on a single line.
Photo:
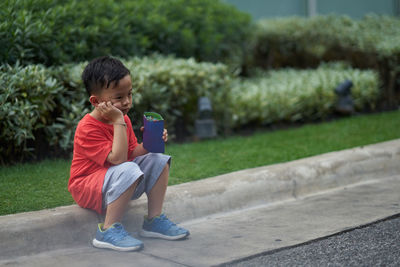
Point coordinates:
[(116, 209), (123, 178), (157, 194), (157, 224), (112, 234)]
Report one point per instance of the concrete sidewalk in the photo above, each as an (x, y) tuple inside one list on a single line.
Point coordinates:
[(64, 229), (226, 237)]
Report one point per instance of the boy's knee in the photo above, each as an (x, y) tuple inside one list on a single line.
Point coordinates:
[(157, 157)]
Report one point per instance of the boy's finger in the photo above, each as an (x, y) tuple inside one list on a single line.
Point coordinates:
[(165, 135)]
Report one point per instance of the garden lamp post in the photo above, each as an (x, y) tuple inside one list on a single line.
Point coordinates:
[(344, 104), (205, 124)]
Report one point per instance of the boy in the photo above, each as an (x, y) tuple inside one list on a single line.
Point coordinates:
[(109, 167)]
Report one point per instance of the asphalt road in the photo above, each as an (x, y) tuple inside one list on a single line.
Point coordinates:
[(377, 244)]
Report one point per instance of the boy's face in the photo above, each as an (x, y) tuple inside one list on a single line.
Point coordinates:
[(120, 95)]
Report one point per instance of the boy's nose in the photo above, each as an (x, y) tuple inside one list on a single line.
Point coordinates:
[(126, 100)]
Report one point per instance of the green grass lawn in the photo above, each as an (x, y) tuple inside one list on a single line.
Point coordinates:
[(34, 186)]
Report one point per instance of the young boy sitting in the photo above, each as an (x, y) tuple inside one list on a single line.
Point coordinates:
[(109, 167)]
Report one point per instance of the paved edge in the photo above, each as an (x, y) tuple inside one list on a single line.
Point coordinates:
[(277, 250), (63, 227)]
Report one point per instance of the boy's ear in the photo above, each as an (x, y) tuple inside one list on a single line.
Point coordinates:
[(93, 100)]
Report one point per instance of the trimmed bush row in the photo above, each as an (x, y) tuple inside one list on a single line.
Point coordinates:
[(372, 42), (40, 107), (167, 85), (323, 38), (57, 32), (290, 95), (27, 99)]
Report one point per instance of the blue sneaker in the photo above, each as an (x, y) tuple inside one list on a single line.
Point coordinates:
[(162, 227), (116, 238)]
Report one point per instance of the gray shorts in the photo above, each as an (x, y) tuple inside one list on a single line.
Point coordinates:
[(120, 177)]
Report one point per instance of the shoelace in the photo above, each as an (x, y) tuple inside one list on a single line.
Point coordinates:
[(119, 233), (166, 221)]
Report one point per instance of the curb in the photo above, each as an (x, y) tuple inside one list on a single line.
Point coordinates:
[(71, 226)]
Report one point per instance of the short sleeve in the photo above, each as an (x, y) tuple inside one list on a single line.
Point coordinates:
[(94, 143)]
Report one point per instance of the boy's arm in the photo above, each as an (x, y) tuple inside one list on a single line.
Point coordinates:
[(139, 151), (119, 150)]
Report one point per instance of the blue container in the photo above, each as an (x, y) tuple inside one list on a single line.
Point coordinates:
[(153, 124)]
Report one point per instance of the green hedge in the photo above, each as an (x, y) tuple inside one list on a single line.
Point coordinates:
[(58, 32), (40, 107), (291, 95), (172, 87), (27, 100), (372, 42), (167, 85)]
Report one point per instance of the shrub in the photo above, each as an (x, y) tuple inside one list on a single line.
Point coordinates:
[(373, 42), (173, 87), (299, 95), (72, 104), (167, 85), (40, 107), (27, 99), (58, 32), (302, 42)]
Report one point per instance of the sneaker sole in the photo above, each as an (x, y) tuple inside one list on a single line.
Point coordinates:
[(145, 233), (99, 244)]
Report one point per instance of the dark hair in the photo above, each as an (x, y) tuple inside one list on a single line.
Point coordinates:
[(102, 72)]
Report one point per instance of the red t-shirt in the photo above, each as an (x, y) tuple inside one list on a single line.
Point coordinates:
[(92, 144)]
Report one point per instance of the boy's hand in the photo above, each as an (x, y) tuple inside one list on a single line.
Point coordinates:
[(111, 113), (165, 135)]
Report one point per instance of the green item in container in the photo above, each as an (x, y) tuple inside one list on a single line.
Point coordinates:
[(152, 116)]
